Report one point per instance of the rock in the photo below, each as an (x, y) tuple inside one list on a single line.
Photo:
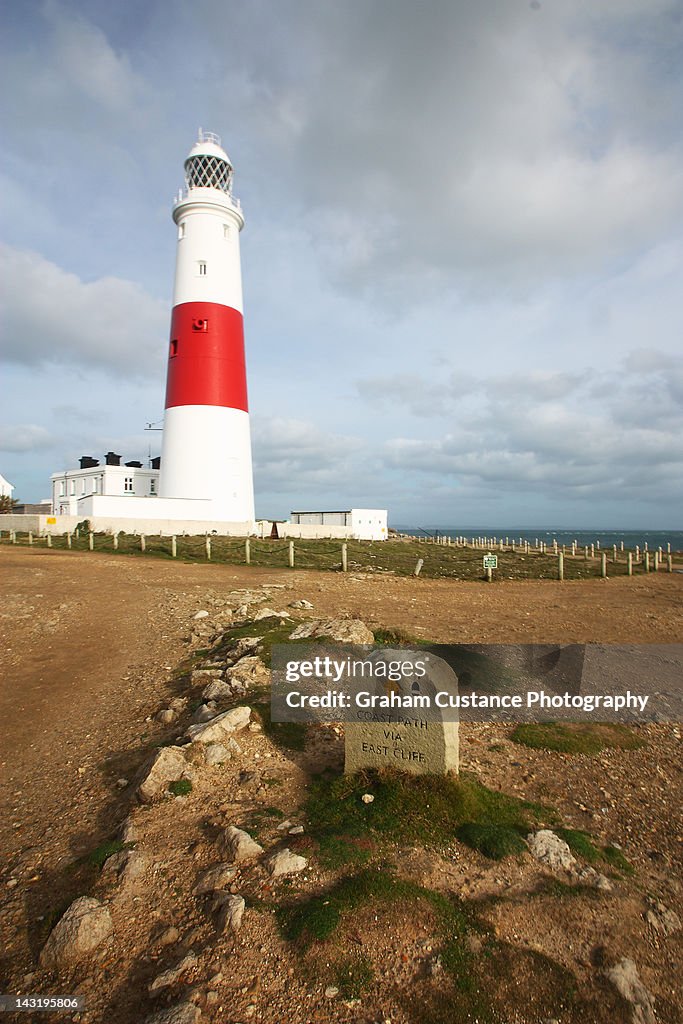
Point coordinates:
[(331, 992), (238, 844), (367, 798), (268, 613), (662, 919), (178, 704), (589, 876), (216, 753), (300, 604), (128, 832), (168, 764), (217, 877), (169, 937), (249, 671), (284, 862), (284, 825), (121, 783), (230, 911), (181, 1013), (169, 977), (217, 690), (166, 716), (202, 675), (220, 728), (85, 925), (624, 977), (205, 712), (550, 850), (127, 865), (296, 831), (201, 615), (350, 631), (243, 646)]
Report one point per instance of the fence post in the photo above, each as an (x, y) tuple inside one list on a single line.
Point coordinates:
[(30, 537), (669, 563), (560, 565), (291, 554), (91, 541), (208, 548), (647, 561), (656, 561), (345, 558), (116, 540), (143, 542), (174, 546), (48, 538), (68, 538), (418, 567), (603, 565), (247, 551), (629, 563), (614, 552)]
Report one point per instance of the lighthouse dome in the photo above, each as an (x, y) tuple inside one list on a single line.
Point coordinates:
[(208, 165)]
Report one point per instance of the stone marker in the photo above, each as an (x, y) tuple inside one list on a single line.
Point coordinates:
[(413, 741)]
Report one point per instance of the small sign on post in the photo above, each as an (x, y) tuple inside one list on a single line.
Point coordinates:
[(490, 563)]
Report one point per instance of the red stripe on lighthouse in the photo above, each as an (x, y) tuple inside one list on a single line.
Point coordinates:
[(206, 360)]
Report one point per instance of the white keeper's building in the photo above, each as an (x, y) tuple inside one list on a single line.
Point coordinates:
[(74, 489)]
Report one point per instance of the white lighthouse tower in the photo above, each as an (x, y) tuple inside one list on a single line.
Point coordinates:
[(206, 451)]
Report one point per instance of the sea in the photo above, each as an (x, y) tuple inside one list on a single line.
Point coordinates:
[(605, 538)]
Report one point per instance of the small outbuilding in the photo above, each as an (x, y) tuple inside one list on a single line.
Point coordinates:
[(361, 523)]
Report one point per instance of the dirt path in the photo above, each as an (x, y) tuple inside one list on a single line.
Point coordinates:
[(88, 641)]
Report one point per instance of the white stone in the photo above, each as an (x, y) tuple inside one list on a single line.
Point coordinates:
[(550, 850), (268, 613), (216, 753), (367, 798), (169, 977), (230, 911), (86, 924), (216, 877), (350, 631), (284, 862), (238, 844), (249, 671), (168, 764), (202, 614), (217, 690), (624, 976), (220, 728)]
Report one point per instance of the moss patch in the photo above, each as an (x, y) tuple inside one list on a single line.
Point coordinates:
[(494, 841), (574, 738), (425, 808)]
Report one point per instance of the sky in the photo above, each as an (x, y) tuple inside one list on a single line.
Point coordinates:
[(462, 258)]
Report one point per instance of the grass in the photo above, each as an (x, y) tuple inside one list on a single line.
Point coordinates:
[(616, 860), (391, 556), (181, 787), (582, 845), (494, 841), (416, 808), (574, 738), (97, 857), (290, 735), (353, 976)]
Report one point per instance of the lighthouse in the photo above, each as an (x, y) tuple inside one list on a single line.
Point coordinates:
[(206, 452)]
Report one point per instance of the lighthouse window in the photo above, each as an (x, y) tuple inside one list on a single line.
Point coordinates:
[(226, 231), (181, 231), (174, 348), (128, 484), (202, 268), (152, 487)]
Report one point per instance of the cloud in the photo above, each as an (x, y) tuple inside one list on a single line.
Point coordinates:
[(292, 454), (51, 316), (583, 434), (24, 438)]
